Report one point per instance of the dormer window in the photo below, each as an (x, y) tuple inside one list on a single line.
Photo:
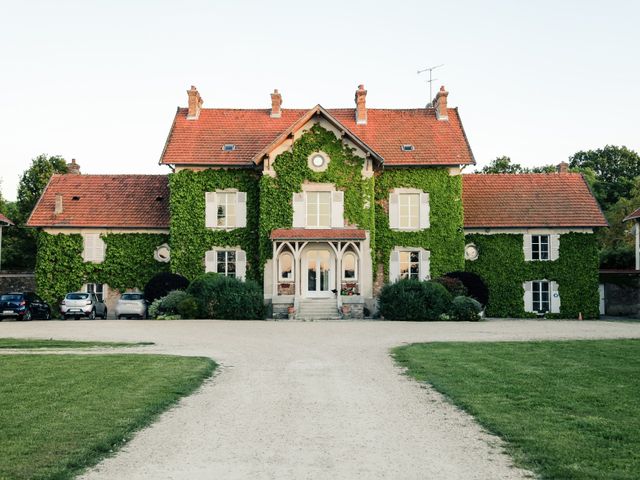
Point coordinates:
[(228, 147), (407, 147)]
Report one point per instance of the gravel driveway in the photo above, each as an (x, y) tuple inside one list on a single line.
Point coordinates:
[(316, 400)]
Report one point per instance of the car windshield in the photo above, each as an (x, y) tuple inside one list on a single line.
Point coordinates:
[(131, 296), (77, 296), (10, 298)]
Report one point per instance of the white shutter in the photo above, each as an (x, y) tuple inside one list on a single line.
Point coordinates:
[(210, 215), (337, 209), (554, 247), (88, 242), (526, 245), (394, 213), (554, 299), (241, 210), (424, 273), (424, 210), (528, 296), (210, 264), (241, 264), (394, 266), (299, 210), (99, 249)]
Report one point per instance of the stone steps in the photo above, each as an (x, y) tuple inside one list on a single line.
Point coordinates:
[(318, 309)]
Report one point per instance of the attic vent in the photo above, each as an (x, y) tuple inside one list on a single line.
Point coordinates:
[(229, 147), (159, 198), (408, 148), (75, 198)]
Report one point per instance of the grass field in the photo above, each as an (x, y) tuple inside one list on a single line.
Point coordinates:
[(51, 343), (61, 413), (567, 410)]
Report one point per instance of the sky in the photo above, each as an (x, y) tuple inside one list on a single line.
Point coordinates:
[(99, 81)]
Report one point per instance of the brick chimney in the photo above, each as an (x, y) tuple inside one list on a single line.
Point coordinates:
[(361, 105), (73, 168), (276, 104), (195, 103), (563, 167), (440, 104), (58, 209)]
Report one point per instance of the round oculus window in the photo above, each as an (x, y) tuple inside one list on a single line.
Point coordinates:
[(163, 253), (317, 161), (470, 252)]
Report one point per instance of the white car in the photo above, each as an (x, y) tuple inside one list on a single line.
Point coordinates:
[(131, 305), (82, 304)]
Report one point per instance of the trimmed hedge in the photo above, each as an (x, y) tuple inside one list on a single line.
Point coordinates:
[(465, 309), (220, 297), (414, 300)]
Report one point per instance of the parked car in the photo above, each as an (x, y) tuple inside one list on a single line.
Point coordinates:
[(82, 304), (131, 305), (23, 306)]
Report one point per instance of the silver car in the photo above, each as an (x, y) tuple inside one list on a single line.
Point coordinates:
[(131, 305), (82, 304)]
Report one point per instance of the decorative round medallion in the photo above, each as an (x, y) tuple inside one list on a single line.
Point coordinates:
[(162, 253), (470, 252), (318, 161)]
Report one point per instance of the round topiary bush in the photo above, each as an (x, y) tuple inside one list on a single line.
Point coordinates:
[(465, 309), (476, 288), (176, 302), (163, 283), (414, 300), (227, 298)]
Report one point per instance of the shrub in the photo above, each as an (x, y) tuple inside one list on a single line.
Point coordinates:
[(622, 256), (176, 303), (465, 309), (453, 285), (227, 298), (414, 300), (163, 283), (188, 307), (475, 286)]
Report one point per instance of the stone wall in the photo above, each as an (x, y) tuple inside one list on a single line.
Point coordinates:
[(17, 282)]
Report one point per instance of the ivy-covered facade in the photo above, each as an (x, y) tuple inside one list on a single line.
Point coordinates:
[(322, 207)]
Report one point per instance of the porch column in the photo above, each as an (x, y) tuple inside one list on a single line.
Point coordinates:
[(339, 274), (297, 272), (274, 272)]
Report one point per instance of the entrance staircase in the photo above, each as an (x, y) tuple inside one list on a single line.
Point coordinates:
[(318, 309)]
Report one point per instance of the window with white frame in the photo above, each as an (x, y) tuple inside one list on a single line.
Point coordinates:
[(408, 209), (97, 288), (93, 248), (540, 296), (285, 262), (318, 209), (225, 210), (540, 247), (410, 264), (349, 267), (228, 261)]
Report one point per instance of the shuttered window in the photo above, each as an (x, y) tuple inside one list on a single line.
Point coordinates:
[(319, 209), (93, 248), (225, 210), (226, 261), (409, 210), (409, 263)]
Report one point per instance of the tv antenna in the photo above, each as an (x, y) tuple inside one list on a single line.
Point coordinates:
[(431, 79)]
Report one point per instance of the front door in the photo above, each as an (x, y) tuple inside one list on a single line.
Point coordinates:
[(318, 272)]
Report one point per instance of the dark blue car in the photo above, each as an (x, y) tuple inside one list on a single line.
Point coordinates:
[(23, 306)]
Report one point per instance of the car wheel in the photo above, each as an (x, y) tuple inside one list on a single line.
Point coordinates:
[(104, 315), (119, 317), (27, 316), (47, 314), (92, 315)]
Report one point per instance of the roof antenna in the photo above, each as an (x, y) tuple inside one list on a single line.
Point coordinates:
[(430, 81)]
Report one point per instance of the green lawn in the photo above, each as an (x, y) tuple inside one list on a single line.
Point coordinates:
[(51, 343), (61, 413), (568, 410)]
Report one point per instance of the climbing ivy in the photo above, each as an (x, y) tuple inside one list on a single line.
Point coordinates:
[(128, 263), (292, 170), (190, 239), (444, 237), (502, 266)]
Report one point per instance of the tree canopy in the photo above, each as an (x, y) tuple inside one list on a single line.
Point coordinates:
[(34, 180), (504, 165)]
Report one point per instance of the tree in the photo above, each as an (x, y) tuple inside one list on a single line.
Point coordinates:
[(615, 168), (504, 165), (34, 180)]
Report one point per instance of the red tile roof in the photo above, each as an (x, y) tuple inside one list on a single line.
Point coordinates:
[(318, 234), (123, 201), (633, 215), (200, 141), (529, 200), (5, 220)]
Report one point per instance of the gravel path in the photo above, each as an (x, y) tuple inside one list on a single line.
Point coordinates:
[(309, 401)]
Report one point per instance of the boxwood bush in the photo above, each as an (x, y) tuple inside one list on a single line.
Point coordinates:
[(175, 303), (227, 298), (465, 309), (414, 300)]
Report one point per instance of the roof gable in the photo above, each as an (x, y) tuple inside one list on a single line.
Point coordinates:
[(115, 201), (529, 200), (4, 221)]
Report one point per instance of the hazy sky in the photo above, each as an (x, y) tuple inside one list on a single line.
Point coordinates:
[(100, 81)]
